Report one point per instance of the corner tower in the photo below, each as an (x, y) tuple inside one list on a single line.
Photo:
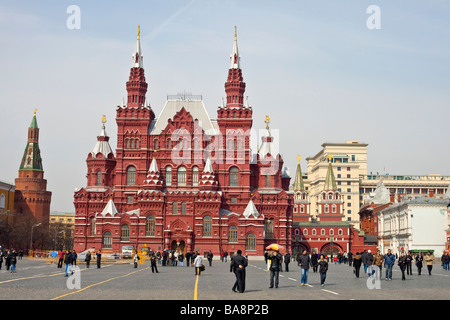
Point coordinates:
[(31, 195)]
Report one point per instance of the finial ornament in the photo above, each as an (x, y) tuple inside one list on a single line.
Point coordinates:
[(235, 33), (330, 157), (104, 120), (298, 158), (35, 110), (267, 121), (139, 32)]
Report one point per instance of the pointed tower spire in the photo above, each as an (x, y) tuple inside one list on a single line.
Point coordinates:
[(235, 85), (330, 182), (298, 182), (138, 58), (31, 159), (136, 85)]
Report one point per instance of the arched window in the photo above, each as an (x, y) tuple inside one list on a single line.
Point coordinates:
[(268, 228), (99, 178), (155, 144), (340, 232), (333, 208), (174, 208), (183, 208), (2, 201), (234, 177), (169, 143), (181, 176), (125, 233), (322, 232), (150, 226), (207, 226), (137, 143), (232, 234), (331, 232), (326, 208), (107, 240), (195, 176), (168, 176), (250, 242), (93, 226), (131, 176)]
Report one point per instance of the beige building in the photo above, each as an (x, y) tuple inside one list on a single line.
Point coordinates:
[(355, 184), (349, 162)]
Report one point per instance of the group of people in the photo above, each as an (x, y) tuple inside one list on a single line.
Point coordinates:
[(10, 256), (69, 259), (374, 263)]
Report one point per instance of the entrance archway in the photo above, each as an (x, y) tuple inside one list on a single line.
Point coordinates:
[(179, 247), (331, 249)]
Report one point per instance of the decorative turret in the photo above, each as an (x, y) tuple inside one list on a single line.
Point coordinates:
[(101, 161), (330, 200), (153, 179), (208, 180), (301, 198)]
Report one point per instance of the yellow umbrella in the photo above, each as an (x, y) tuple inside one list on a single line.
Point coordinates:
[(273, 246)]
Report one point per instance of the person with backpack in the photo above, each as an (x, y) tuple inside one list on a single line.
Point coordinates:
[(389, 261)]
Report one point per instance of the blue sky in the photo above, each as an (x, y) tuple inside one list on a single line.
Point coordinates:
[(313, 66)]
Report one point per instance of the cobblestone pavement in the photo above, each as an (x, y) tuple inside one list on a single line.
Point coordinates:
[(36, 280)]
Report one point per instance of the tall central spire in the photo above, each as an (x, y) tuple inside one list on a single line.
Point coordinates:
[(235, 85), (136, 85)]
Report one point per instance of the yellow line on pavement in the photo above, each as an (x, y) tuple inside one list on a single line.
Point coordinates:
[(95, 284), (195, 291)]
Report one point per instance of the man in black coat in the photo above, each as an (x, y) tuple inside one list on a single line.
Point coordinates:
[(275, 263), (287, 259), (238, 265)]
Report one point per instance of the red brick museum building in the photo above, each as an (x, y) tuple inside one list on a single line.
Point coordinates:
[(183, 181)]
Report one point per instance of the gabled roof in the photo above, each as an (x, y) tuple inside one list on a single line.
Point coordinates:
[(195, 107)]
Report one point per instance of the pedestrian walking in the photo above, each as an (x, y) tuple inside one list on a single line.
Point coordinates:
[(198, 263), (136, 259), (181, 259), (378, 260), (88, 259), (275, 263), (153, 262), (409, 259), (188, 259), (429, 258), (225, 256), (60, 259), (402, 264), (13, 260), (445, 259), (2, 255), (357, 261), (304, 261), (419, 263), (99, 259), (323, 268), (314, 261), (68, 263), (210, 257), (389, 261), (74, 257), (350, 258), (287, 260), (364, 260), (369, 263), (238, 265)]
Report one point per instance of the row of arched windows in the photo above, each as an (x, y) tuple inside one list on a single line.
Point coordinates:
[(150, 231), (181, 176), (322, 232)]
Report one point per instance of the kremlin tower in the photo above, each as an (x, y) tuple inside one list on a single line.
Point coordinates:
[(31, 195)]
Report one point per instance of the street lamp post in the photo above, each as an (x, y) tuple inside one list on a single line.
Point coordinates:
[(31, 242)]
